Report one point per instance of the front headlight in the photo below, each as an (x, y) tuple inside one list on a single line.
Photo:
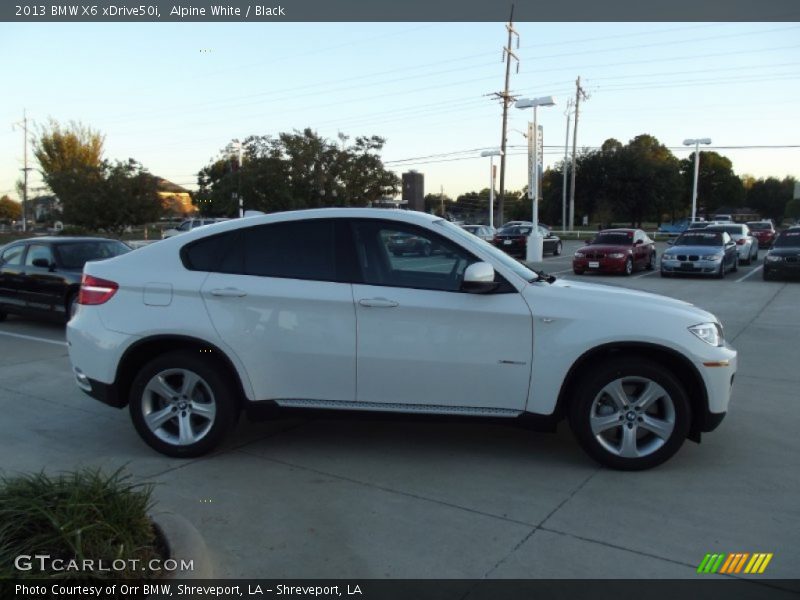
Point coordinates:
[(712, 257), (774, 258), (710, 333), (617, 255), (579, 255)]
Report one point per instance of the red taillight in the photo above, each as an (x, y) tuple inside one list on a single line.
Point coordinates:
[(95, 290)]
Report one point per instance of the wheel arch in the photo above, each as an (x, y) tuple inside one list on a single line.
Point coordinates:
[(144, 350), (681, 366)]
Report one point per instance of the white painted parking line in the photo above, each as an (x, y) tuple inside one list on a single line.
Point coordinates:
[(33, 338), (645, 274), (756, 270)]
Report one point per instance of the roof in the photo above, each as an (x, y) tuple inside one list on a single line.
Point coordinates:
[(50, 239)]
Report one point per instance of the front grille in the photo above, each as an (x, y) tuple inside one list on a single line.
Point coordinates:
[(792, 259), (690, 257), (595, 255)]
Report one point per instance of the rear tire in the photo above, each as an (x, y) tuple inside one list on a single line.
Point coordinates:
[(183, 404), (70, 306), (630, 414)]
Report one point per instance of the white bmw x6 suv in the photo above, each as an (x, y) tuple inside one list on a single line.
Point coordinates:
[(312, 310)]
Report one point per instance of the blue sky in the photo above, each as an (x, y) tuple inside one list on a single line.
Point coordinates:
[(173, 95)]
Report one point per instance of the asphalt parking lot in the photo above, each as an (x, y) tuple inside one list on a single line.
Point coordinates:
[(339, 498)]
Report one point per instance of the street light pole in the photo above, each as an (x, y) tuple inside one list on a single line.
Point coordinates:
[(534, 249), (696, 143), (491, 154), (564, 168)]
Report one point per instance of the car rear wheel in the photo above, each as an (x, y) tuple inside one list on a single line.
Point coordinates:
[(630, 414), (71, 306), (182, 404)]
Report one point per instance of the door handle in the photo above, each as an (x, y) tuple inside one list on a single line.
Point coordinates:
[(228, 292), (378, 303)]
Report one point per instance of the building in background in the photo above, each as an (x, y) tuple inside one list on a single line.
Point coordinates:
[(414, 190)]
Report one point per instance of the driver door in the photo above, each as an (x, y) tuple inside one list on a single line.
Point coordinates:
[(421, 341)]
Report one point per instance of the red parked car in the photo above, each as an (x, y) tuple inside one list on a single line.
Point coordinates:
[(616, 251), (764, 232)]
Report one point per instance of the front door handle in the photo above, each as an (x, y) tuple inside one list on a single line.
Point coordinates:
[(378, 303), (228, 292)]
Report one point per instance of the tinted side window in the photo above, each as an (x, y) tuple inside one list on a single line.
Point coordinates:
[(294, 250), (12, 256), (207, 254), (38, 251)]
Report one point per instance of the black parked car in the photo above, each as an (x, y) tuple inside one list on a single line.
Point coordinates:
[(783, 259), (513, 239), (41, 276)]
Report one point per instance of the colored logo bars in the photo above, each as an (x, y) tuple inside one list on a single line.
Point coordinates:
[(735, 563)]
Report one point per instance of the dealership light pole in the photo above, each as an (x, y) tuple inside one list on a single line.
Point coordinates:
[(491, 154), (535, 243), (696, 143)]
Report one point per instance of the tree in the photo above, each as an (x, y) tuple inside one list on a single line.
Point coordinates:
[(792, 210), (770, 197), (71, 162), (434, 202), (717, 184), (296, 170), (125, 194), (9, 210)]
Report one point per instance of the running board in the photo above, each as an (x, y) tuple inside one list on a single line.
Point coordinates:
[(430, 409)]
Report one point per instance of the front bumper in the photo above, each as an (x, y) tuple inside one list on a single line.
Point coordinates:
[(603, 265), (782, 268), (690, 267)]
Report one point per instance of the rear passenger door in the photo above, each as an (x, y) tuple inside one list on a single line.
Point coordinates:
[(12, 275), (277, 297)]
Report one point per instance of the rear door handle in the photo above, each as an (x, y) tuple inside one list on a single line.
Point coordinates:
[(378, 303), (228, 292)]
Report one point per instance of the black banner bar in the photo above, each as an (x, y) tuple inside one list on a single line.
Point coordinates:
[(394, 10)]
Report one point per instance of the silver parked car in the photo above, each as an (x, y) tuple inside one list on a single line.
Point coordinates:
[(484, 232), (746, 242)]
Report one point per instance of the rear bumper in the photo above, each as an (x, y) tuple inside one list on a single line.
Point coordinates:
[(104, 392)]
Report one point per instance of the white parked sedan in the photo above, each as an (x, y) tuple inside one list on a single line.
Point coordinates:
[(311, 309), (746, 242)]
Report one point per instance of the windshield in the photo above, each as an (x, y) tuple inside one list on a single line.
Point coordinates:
[(788, 239), (760, 226), (497, 255), (712, 238), (616, 238), (76, 254), (731, 229), (515, 230)]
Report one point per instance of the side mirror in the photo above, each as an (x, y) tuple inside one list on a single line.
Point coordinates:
[(42, 263), (587, 242), (638, 243), (479, 278), (670, 242)]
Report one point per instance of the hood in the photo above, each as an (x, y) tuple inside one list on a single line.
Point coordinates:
[(701, 250), (631, 303), (603, 248), (785, 251)]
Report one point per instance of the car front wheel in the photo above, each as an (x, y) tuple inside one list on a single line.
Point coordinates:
[(628, 266), (630, 414), (182, 404), (557, 249)]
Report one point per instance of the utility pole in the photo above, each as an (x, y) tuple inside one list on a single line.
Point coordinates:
[(568, 113), (579, 93), (506, 97), (441, 199), (25, 169)]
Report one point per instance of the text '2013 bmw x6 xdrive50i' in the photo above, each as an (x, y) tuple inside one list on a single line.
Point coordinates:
[(314, 310)]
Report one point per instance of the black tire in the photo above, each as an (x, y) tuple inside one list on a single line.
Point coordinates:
[(651, 262), (213, 379), (672, 407), (557, 249), (721, 273), (766, 275), (665, 274), (628, 267), (735, 266), (577, 271)]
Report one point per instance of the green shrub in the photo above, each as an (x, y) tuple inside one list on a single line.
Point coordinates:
[(79, 515)]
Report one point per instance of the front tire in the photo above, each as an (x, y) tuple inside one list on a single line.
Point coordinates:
[(557, 249), (651, 262), (630, 414), (628, 267), (183, 404)]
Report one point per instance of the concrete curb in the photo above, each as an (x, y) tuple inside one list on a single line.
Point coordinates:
[(184, 542)]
